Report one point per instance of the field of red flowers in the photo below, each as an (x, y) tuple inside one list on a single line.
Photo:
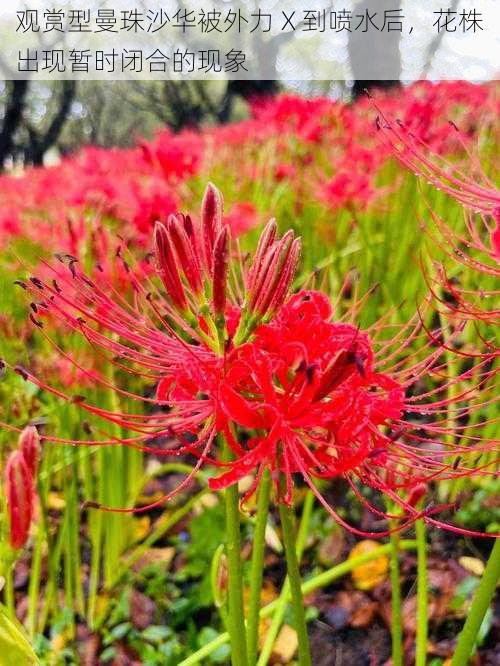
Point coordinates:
[(248, 401)]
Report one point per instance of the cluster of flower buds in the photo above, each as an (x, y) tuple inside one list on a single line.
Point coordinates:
[(270, 276), (193, 261), (20, 483)]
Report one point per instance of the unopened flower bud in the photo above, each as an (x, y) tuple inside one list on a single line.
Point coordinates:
[(20, 496), (185, 252), (168, 267), (220, 263), (273, 273), (211, 221), (29, 445), (266, 240)]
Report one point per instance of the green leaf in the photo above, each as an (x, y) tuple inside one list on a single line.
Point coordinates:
[(156, 633), (15, 647), (120, 631)]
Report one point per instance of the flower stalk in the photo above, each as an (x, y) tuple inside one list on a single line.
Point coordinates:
[(257, 570), (396, 625), (292, 564), (422, 600), (282, 602), (236, 617), (317, 582), (480, 604)]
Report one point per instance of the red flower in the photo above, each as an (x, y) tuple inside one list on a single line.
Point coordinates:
[(311, 390), (180, 340)]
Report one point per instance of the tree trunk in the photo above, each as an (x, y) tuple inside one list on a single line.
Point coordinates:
[(374, 55), (14, 111)]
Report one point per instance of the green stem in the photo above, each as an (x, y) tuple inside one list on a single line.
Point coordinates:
[(479, 606), (421, 640), (10, 601), (257, 569), (317, 582), (396, 627), (34, 582), (42, 537), (292, 564), (279, 613), (236, 616)]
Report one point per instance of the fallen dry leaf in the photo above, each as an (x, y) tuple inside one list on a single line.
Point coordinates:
[(472, 564), (285, 646), (353, 608), (367, 576), (142, 610), (141, 527), (55, 501), (162, 556)]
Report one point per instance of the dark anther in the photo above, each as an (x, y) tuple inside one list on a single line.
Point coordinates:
[(21, 371), (38, 283), (21, 284), (36, 321), (456, 462), (88, 504), (56, 286), (77, 399), (477, 460), (33, 306)]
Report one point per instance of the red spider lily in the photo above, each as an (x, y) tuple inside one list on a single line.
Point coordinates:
[(320, 398), (468, 248), (180, 340), (480, 197), (415, 154), (20, 479), (312, 391)]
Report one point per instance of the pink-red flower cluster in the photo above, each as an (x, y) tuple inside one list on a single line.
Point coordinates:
[(322, 148), (232, 354)]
